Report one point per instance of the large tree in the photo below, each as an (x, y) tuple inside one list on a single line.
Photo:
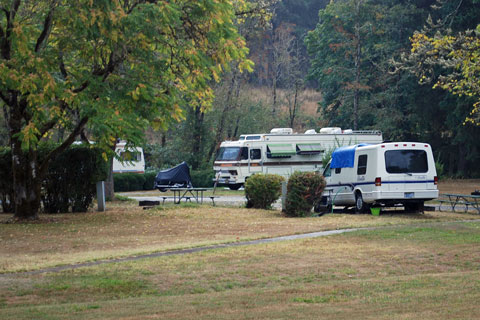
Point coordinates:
[(112, 66), (454, 58), (343, 55)]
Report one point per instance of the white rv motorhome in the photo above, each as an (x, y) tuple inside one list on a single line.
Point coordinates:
[(385, 174), (281, 152), (132, 159)]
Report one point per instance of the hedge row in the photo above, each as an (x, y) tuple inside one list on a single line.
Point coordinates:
[(70, 183), (135, 181), (123, 182)]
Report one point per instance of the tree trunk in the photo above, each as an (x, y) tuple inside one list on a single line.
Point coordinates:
[(27, 177), (28, 171), (164, 139), (274, 94), (199, 116), (223, 117), (358, 52), (294, 110), (27, 181), (356, 92), (109, 186), (462, 161)]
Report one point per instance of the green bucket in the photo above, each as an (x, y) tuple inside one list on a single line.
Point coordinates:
[(375, 211)]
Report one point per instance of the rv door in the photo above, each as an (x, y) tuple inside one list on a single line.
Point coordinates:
[(255, 164)]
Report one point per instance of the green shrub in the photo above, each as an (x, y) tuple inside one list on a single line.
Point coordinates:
[(439, 168), (71, 179), (149, 180), (137, 181), (262, 190), (202, 178), (304, 190), (129, 181), (70, 182)]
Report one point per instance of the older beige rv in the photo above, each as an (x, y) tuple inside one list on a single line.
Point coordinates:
[(282, 152)]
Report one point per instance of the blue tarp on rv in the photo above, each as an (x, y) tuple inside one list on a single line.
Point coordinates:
[(344, 157)]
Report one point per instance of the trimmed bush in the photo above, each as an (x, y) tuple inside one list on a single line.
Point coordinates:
[(202, 178), (304, 190), (149, 180), (123, 182), (262, 190)]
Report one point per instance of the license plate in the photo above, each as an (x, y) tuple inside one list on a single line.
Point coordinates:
[(409, 195)]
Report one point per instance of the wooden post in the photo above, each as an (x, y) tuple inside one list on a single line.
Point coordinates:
[(101, 196)]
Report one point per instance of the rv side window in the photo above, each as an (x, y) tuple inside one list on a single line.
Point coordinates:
[(255, 154), (130, 156), (362, 164), (338, 170), (327, 172)]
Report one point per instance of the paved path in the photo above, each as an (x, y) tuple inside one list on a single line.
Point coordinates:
[(219, 246)]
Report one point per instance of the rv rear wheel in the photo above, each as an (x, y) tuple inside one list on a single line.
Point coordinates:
[(360, 206), (235, 186)]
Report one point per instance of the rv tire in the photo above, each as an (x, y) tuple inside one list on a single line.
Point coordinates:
[(360, 206), (235, 186)]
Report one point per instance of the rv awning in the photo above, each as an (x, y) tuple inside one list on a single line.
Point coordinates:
[(309, 148), (280, 150), (344, 157)]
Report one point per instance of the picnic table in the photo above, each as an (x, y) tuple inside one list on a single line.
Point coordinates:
[(187, 194), (455, 200)]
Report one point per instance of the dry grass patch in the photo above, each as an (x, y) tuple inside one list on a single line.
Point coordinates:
[(465, 186), (400, 273), (125, 229)]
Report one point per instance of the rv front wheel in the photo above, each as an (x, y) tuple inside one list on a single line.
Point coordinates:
[(360, 206)]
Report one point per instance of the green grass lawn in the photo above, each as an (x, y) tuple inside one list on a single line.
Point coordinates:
[(415, 266), (427, 272)]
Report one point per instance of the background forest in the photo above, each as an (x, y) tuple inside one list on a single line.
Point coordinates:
[(346, 64)]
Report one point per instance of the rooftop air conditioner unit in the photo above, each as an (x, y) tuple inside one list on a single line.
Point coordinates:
[(282, 130)]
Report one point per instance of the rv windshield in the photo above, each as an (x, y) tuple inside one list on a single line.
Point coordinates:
[(232, 154), (406, 161)]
